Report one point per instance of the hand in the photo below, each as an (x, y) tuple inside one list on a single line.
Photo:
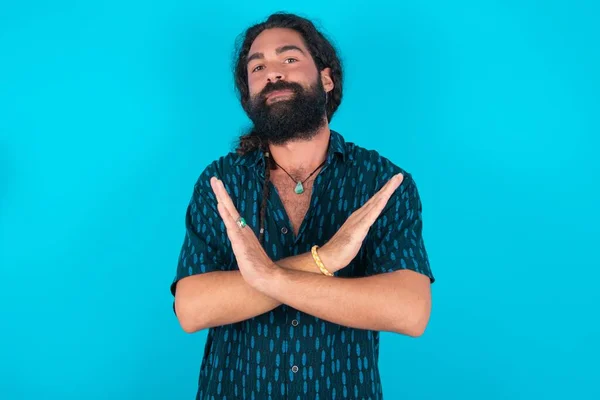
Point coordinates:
[(341, 249), (254, 264)]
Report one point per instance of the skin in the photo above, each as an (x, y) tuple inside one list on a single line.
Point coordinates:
[(398, 301)]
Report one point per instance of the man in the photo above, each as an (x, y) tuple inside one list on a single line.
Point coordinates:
[(300, 247)]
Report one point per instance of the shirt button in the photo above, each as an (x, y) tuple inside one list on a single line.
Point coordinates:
[(284, 230), (295, 369), (295, 322)]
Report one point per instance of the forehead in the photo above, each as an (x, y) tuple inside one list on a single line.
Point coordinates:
[(270, 39)]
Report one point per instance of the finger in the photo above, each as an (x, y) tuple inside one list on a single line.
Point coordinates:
[(390, 186), (226, 200), (394, 183), (387, 192), (237, 237), (230, 222), (215, 189), (396, 179), (223, 197), (373, 212)]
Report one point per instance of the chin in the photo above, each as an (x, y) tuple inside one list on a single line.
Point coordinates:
[(279, 107)]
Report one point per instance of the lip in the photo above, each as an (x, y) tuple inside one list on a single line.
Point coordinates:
[(279, 93)]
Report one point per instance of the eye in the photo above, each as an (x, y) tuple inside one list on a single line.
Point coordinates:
[(291, 58), (257, 68)]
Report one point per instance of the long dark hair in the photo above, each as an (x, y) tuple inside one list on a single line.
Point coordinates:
[(324, 55)]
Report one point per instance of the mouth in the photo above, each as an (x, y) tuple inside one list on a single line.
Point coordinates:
[(279, 95)]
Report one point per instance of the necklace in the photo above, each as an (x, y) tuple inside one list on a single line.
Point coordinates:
[(299, 189)]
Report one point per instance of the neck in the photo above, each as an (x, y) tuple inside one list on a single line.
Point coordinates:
[(301, 156)]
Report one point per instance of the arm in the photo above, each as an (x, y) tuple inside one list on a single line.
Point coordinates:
[(395, 296), (206, 293), (396, 302), (205, 300), (399, 301)]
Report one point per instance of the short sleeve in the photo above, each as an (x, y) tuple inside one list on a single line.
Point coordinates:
[(395, 241), (205, 244)]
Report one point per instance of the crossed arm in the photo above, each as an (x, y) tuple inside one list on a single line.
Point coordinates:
[(398, 301)]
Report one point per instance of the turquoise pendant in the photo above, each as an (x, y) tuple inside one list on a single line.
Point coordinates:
[(299, 188)]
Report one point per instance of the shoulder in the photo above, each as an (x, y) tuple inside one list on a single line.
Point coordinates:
[(376, 170), (225, 168), (371, 167)]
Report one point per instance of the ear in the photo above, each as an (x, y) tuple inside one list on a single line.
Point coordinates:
[(326, 79)]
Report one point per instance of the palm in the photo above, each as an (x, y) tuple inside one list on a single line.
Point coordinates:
[(346, 243), (251, 258)]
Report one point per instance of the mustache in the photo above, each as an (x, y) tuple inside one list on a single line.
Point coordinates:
[(280, 85)]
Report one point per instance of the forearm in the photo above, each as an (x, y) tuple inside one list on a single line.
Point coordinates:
[(224, 297), (363, 303), (218, 298), (306, 263)]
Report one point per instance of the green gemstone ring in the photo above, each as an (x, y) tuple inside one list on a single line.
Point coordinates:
[(241, 222)]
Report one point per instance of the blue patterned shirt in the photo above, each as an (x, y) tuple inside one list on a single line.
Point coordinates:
[(286, 353)]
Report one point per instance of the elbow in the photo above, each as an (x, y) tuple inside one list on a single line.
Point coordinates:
[(187, 326), (187, 320), (189, 329), (417, 321), (415, 330)]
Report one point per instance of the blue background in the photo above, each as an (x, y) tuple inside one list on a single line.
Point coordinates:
[(109, 112)]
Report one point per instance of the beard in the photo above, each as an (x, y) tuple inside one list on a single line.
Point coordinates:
[(295, 118)]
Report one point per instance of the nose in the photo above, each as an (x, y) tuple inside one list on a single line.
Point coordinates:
[(274, 76)]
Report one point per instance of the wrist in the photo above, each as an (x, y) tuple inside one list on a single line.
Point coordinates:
[(275, 282), (327, 256), (267, 276)]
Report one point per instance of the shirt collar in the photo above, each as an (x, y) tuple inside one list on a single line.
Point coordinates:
[(337, 146)]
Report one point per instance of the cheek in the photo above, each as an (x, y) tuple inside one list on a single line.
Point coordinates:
[(254, 85), (306, 76)]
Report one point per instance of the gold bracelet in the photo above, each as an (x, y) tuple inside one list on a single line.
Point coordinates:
[(319, 262)]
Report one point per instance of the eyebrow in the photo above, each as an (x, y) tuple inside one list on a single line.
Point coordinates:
[(278, 51)]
